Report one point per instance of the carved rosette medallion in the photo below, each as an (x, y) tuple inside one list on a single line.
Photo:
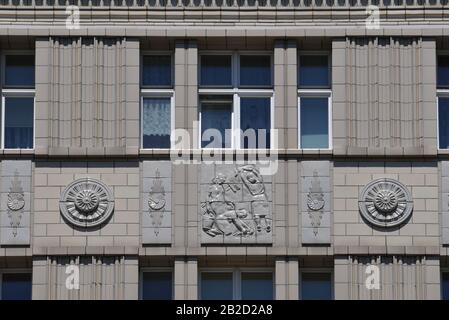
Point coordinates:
[(315, 203), (156, 202), (15, 203), (385, 203), (86, 202)]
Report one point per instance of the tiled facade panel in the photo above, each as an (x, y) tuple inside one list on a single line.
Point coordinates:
[(384, 96), (420, 178), (87, 98), (400, 277)]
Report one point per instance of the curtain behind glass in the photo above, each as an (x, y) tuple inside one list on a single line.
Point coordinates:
[(19, 120), (255, 114), (156, 123)]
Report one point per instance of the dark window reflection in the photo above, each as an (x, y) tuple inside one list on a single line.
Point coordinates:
[(314, 71), (443, 122), (316, 286), (314, 123), (255, 122), (216, 70), (216, 117), (157, 71), (257, 286), (19, 120), (216, 286), (16, 286), (157, 286), (19, 71), (445, 286), (255, 71), (443, 72)]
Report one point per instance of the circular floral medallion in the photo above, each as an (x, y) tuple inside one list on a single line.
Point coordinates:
[(315, 203), (385, 203), (15, 201), (86, 202)]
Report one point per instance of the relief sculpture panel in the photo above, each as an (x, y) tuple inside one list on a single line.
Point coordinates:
[(235, 204)]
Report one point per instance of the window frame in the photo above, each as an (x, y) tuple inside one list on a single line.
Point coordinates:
[(236, 279), (316, 93), (316, 270), (329, 68), (237, 94), (14, 271), (158, 269), (157, 53)]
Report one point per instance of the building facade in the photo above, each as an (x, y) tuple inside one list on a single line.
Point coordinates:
[(117, 118)]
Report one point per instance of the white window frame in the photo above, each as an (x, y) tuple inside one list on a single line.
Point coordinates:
[(316, 270), (316, 93), (161, 92), (237, 94), (154, 269), (15, 92), (21, 270), (236, 279)]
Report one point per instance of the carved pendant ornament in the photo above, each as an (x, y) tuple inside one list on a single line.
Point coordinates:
[(385, 203), (86, 202), (315, 203), (221, 212), (156, 202), (15, 203)]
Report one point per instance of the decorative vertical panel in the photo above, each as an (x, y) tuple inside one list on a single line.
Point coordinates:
[(444, 201), (156, 197), (15, 202), (235, 204), (315, 198)]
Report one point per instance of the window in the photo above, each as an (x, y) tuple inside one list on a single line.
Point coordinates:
[(314, 102), (157, 285), (316, 286), (443, 71), (15, 286), (157, 101), (236, 100), (18, 101), (237, 285)]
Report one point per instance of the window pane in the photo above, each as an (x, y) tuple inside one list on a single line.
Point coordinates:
[(216, 286), (156, 122), (257, 286), (19, 71), (157, 286), (19, 123), (255, 122), (216, 115), (443, 71), (443, 122), (216, 70), (445, 286), (16, 286), (156, 71), (255, 71), (316, 286), (314, 123), (314, 71)]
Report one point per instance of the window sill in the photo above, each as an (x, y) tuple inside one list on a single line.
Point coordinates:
[(17, 151)]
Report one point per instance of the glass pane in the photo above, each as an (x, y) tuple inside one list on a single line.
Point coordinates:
[(19, 123), (216, 117), (257, 286), (255, 71), (443, 122), (314, 123), (216, 286), (314, 71), (316, 286), (157, 286), (156, 122), (19, 71), (443, 71), (156, 71), (445, 286), (255, 122), (216, 70), (16, 286)]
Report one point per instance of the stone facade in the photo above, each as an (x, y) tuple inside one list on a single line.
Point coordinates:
[(311, 214)]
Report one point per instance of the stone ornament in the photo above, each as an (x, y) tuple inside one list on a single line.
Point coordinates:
[(86, 202), (156, 202), (315, 203), (15, 203), (385, 203)]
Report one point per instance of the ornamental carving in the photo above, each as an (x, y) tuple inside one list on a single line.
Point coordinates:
[(236, 204), (156, 202), (315, 203), (86, 202), (15, 203), (385, 203)]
